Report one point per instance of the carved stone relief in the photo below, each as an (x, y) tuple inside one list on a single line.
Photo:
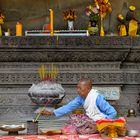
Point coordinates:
[(109, 61)]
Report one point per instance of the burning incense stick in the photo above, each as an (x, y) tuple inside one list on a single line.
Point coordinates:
[(51, 73), (37, 117)]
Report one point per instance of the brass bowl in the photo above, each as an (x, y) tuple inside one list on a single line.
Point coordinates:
[(131, 113)]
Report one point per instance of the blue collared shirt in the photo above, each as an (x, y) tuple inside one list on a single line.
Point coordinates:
[(78, 101)]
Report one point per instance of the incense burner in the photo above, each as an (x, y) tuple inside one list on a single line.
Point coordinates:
[(46, 92)]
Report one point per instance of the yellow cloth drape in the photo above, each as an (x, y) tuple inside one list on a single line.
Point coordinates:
[(133, 27), (122, 31)]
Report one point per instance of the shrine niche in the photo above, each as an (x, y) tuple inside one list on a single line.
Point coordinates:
[(39, 15)]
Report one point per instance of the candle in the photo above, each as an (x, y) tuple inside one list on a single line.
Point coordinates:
[(18, 29), (51, 21)]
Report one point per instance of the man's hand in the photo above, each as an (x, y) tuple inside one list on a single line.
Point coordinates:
[(47, 113)]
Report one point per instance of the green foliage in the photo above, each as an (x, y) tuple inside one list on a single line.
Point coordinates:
[(94, 17)]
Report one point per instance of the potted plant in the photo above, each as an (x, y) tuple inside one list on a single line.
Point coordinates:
[(70, 17), (93, 13)]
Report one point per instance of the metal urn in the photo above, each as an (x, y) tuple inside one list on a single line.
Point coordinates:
[(46, 92), (131, 113)]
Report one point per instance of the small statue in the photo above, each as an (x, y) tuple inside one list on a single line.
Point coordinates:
[(2, 17), (130, 14), (122, 26), (132, 22)]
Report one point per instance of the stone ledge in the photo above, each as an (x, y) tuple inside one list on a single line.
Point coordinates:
[(67, 42), (69, 49)]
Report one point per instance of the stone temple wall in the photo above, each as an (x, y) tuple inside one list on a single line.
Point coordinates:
[(108, 61)]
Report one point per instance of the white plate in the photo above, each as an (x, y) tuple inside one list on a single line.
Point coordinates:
[(13, 126)]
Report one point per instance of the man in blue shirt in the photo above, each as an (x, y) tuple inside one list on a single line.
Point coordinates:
[(94, 104)]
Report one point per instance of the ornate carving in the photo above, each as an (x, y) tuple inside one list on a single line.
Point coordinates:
[(69, 42), (136, 41), (71, 66), (11, 99), (16, 112), (73, 77), (98, 78), (131, 66), (62, 42), (67, 49), (134, 56), (63, 56)]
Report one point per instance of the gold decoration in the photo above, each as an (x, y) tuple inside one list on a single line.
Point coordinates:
[(132, 8), (69, 15), (106, 1), (120, 17), (104, 8), (122, 26), (2, 17), (122, 31), (133, 27)]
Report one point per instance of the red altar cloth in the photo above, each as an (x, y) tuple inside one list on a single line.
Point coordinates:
[(64, 137)]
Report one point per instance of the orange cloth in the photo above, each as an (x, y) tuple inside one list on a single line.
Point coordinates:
[(133, 28)]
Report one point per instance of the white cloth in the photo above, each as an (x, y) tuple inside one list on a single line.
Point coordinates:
[(90, 106)]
